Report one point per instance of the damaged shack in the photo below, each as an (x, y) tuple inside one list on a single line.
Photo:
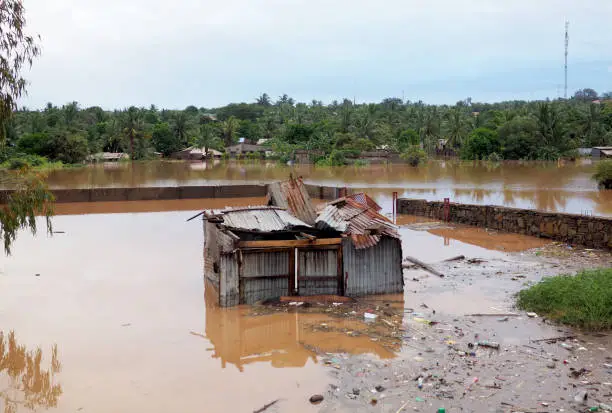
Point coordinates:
[(257, 253)]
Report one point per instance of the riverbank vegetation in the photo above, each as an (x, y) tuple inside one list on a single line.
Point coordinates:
[(603, 174), (583, 300), (333, 133)]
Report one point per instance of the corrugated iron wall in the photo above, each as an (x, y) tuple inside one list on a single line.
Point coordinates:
[(375, 270), (228, 285), (317, 263), (264, 275)]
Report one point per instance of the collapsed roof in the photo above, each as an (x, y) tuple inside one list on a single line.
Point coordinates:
[(358, 217), (257, 219)]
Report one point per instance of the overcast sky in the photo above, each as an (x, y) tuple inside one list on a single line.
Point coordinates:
[(117, 53)]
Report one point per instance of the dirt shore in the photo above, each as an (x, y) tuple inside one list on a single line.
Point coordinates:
[(444, 329)]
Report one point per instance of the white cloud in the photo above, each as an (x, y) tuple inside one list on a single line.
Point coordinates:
[(116, 53)]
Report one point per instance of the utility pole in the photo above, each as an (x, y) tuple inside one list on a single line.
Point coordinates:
[(566, 47)]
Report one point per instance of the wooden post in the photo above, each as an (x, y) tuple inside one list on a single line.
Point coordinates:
[(394, 207), (446, 209), (291, 271), (341, 286)]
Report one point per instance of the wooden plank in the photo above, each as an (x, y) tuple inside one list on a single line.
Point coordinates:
[(289, 243), (263, 277), (319, 278)]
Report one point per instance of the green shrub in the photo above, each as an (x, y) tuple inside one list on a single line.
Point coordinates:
[(494, 157), (414, 155), (480, 144), (603, 174), (583, 300), (361, 162)]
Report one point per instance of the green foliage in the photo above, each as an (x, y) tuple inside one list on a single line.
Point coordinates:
[(414, 155), (406, 139), (163, 139), (481, 143), (335, 158), (518, 138), (30, 198), (603, 174), (583, 300)]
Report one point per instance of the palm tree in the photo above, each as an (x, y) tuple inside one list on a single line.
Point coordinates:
[(180, 127), (456, 128), (264, 100), (132, 126), (228, 130)]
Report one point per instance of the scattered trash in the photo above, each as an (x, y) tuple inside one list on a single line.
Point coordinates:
[(567, 346), (551, 365), (532, 315), (356, 392), (380, 388), (503, 319), (420, 383), (373, 402), (577, 373), (488, 344), (370, 316), (419, 399), (581, 397), (316, 399), (266, 406), (36, 275)]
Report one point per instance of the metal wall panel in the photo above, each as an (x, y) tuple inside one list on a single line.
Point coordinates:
[(228, 284), (263, 264), (317, 263), (375, 270)]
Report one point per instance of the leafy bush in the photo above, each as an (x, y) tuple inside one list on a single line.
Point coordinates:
[(414, 155), (480, 144), (603, 174), (335, 158), (583, 300), (494, 157), (28, 161)]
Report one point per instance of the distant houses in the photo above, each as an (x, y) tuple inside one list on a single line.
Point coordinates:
[(107, 157), (601, 152), (196, 154)]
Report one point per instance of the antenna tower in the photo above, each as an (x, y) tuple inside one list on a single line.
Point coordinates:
[(566, 47)]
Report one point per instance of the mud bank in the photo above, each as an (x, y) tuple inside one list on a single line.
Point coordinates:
[(589, 231)]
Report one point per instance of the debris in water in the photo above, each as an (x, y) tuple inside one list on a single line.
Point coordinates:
[(370, 316), (266, 406), (316, 399)]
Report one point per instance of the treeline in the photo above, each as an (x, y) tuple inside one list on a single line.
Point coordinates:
[(545, 130)]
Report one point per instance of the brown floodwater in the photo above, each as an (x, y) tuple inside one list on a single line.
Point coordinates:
[(547, 186), (116, 305)]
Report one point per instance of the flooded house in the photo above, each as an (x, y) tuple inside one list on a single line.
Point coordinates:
[(257, 253)]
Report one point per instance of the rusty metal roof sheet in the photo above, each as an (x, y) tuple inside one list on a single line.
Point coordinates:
[(364, 224), (293, 196), (365, 200), (260, 219)]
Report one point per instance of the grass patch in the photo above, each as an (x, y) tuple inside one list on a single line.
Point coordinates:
[(583, 300), (603, 174)]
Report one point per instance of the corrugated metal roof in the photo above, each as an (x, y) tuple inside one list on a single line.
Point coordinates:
[(365, 200), (261, 219), (364, 224), (293, 196)]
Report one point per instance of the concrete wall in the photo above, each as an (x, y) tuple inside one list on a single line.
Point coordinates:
[(592, 232), (153, 193)]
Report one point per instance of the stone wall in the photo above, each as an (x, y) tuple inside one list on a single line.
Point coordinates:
[(589, 231)]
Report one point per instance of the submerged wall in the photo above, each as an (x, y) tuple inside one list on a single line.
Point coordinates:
[(589, 231), (175, 192)]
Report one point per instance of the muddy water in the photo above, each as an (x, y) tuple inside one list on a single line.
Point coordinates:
[(120, 297), (545, 186)]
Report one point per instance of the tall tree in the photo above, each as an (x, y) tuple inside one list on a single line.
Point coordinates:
[(229, 129), (31, 196)]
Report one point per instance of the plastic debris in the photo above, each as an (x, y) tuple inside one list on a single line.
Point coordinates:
[(532, 315), (370, 316), (488, 344), (420, 383), (316, 399), (581, 397)]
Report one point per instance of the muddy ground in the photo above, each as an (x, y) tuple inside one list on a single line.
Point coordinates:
[(538, 367)]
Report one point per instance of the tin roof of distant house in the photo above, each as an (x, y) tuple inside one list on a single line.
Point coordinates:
[(257, 219), (358, 219), (246, 147)]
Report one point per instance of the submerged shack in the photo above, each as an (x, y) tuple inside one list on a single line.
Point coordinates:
[(256, 253)]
